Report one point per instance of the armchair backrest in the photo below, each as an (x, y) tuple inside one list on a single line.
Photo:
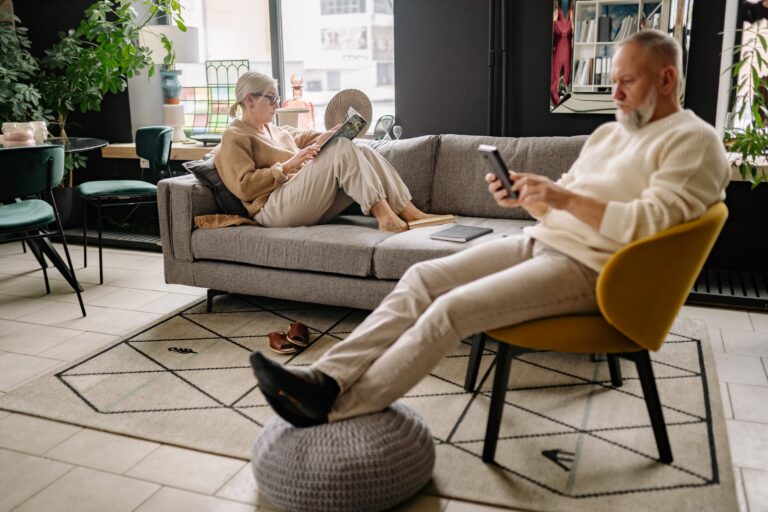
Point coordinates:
[(27, 171), (643, 286), (153, 143)]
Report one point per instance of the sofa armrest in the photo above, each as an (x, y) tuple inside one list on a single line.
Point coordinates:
[(179, 200)]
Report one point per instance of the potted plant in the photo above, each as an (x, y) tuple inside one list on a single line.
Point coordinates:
[(170, 83), (746, 133), (19, 97)]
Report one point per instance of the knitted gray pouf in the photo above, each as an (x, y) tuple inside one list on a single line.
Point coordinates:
[(368, 463)]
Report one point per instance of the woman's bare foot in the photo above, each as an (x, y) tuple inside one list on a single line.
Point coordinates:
[(388, 221), (393, 225), (411, 213)]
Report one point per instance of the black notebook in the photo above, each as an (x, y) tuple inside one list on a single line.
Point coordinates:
[(460, 233)]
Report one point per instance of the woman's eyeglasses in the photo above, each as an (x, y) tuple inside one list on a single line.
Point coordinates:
[(273, 100)]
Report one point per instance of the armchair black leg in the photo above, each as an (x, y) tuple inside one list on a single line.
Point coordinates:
[(614, 365), (473, 368), (99, 227), (76, 285), (24, 247), (500, 381), (645, 372), (85, 233), (47, 284)]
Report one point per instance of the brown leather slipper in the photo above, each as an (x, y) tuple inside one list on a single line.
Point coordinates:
[(278, 342), (298, 334)]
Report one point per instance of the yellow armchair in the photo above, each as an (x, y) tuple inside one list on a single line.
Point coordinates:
[(639, 292)]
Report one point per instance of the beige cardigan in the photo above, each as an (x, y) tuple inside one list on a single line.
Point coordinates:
[(251, 164)]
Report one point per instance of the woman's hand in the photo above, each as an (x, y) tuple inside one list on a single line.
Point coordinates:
[(297, 161), (327, 135)]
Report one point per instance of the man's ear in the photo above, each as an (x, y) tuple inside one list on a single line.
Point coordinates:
[(668, 79)]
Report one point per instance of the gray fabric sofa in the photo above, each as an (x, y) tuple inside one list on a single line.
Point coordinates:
[(349, 262)]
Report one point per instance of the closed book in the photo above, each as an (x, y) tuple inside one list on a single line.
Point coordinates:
[(604, 28), (460, 233), (434, 220)]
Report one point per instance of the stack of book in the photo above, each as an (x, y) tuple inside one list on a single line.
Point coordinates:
[(627, 28), (586, 31)]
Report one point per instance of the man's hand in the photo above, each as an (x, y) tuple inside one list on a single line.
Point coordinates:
[(538, 194), (297, 161), (327, 135)]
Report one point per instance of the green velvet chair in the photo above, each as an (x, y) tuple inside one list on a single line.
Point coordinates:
[(639, 292), (26, 174), (153, 143)]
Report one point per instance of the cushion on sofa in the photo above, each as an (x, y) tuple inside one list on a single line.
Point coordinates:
[(413, 159), (205, 171), (338, 249), (459, 187), (393, 256)]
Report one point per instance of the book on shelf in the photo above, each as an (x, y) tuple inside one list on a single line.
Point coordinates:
[(604, 28), (434, 220), (460, 233)]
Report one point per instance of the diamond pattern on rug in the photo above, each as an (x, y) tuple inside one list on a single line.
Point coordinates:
[(564, 426)]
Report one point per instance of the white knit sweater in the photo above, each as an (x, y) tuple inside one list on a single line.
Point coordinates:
[(668, 172)]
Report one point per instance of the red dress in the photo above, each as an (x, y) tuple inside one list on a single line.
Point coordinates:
[(562, 33)]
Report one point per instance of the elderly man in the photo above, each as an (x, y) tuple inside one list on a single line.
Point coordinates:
[(657, 166)]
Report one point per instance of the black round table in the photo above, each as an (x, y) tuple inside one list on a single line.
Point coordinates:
[(77, 144)]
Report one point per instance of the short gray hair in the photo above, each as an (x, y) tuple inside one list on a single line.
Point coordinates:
[(250, 82), (660, 46)]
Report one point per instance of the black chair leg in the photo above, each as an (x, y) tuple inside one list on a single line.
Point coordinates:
[(614, 365), (85, 233), (99, 227), (645, 372), (500, 381), (24, 247), (47, 284), (210, 294), (473, 368), (66, 253)]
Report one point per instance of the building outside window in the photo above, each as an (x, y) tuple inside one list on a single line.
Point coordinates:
[(332, 44)]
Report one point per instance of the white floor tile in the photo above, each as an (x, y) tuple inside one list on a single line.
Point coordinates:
[(13, 308), (719, 318), (241, 487), (171, 302), (35, 339), (15, 369), (186, 469), (156, 281), (9, 327), (32, 435), (749, 444), (716, 339), (11, 249), (743, 342), (756, 488), (740, 369), (759, 321), (28, 476), (98, 319), (175, 500), (128, 298), (91, 274), (750, 403), (79, 346), (87, 490), (102, 451), (725, 396), (741, 496)]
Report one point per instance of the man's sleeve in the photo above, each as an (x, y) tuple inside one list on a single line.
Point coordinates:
[(692, 174)]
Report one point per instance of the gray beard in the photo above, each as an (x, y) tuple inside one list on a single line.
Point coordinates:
[(636, 119)]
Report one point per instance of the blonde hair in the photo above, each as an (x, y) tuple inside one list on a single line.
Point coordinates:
[(250, 82)]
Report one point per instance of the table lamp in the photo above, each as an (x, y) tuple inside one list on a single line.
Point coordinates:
[(173, 116)]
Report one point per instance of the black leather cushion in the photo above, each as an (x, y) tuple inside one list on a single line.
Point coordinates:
[(205, 171)]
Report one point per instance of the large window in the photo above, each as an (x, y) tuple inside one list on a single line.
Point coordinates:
[(331, 44)]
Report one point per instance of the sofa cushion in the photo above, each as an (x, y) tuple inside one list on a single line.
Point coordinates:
[(205, 171), (393, 256), (459, 187), (414, 161), (338, 249)]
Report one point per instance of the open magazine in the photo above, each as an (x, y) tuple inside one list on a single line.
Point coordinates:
[(354, 124)]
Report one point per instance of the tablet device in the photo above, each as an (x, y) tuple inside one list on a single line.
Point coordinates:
[(495, 164), (351, 128)]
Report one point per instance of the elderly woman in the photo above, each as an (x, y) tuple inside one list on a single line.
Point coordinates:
[(283, 179)]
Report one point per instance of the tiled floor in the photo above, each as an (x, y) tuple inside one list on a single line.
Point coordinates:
[(46, 465)]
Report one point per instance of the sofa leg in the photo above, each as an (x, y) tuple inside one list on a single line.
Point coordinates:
[(209, 299)]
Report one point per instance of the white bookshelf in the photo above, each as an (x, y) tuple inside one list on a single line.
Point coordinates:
[(592, 55)]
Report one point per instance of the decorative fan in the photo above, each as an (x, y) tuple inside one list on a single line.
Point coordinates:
[(336, 111)]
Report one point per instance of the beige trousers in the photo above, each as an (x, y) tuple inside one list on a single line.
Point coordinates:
[(440, 302), (340, 174)]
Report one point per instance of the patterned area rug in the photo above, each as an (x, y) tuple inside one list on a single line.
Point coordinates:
[(569, 440)]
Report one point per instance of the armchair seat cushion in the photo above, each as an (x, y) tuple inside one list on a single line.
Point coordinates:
[(109, 188), (29, 214)]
